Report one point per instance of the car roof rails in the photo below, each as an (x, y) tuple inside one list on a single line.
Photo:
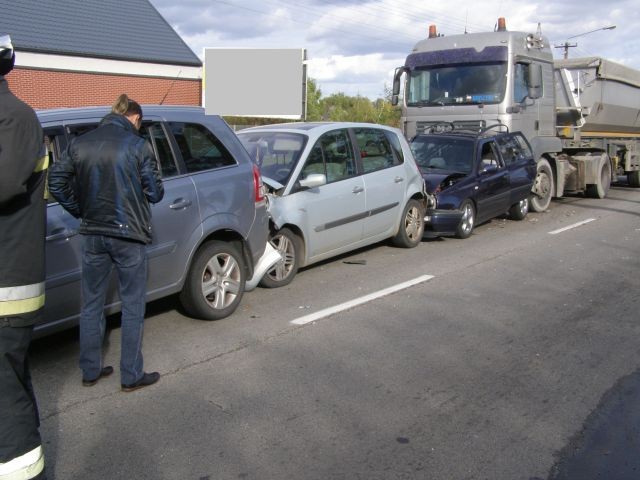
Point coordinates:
[(440, 127), (495, 126)]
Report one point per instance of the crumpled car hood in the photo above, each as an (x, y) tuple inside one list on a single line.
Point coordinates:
[(434, 180)]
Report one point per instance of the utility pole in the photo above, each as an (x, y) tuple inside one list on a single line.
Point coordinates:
[(566, 45)]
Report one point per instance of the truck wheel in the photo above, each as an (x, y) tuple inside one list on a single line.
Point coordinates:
[(411, 226), (468, 220), (542, 190), (215, 282), (600, 189), (289, 245), (519, 210), (634, 179)]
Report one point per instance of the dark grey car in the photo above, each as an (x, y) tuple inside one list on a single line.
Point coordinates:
[(210, 230)]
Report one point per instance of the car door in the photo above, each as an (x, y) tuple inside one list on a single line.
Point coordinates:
[(175, 219), (518, 159), (63, 248), (334, 212), (493, 194), (384, 181)]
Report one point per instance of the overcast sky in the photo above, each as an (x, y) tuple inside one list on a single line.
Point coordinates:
[(353, 46)]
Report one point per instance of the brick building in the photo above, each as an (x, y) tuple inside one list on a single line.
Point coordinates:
[(72, 53)]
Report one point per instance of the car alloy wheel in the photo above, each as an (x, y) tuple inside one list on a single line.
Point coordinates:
[(215, 282), (288, 245), (221, 280), (468, 220), (519, 210), (411, 226), (414, 223)]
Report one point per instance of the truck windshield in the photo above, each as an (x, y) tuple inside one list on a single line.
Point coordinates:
[(458, 84)]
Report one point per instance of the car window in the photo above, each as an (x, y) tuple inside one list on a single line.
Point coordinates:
[(375, 149), (397, 148), (524, 145), (200, 149), (510, 149), (160, 143), (55, 142), (332, 155), (489, 156)]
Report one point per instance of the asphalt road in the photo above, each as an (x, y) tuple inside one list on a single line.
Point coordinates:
[(517, 359)]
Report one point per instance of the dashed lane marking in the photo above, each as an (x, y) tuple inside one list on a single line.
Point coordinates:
[(312, 317), (575, 225)]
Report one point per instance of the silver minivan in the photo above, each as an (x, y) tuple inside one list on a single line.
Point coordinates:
[(210, 230), (335, 187)]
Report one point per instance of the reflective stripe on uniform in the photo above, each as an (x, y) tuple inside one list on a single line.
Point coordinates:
[(22, 299), (24, 467), (43, 164)]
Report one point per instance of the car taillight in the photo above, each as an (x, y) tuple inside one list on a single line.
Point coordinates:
[(258, 186)]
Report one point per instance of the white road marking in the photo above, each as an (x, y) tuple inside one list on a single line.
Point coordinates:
[(575, 225), (312, 317)]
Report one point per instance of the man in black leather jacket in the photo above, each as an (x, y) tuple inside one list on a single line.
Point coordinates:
[(108, 177)]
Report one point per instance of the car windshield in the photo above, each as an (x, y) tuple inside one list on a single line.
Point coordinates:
[(439, 153), (461, 84), (276, 153)]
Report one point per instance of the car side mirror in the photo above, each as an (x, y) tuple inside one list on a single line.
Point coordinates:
[(313, 180)]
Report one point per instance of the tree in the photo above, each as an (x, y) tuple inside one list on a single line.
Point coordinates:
[(339, 107), (313, 101)]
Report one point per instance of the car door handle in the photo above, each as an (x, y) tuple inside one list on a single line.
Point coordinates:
[(179, 204), (357, 189), (398, 179), (60, 233)]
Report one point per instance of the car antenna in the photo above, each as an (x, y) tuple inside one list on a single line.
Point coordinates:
[(170, 87)]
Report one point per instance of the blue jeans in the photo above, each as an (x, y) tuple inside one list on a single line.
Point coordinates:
[(100, 254)]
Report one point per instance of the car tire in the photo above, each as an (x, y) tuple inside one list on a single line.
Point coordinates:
[(215, 282), (411, 226), (601, 188), (519, 210), (634, 179), (468, 220), (289, 245), (543, 185)]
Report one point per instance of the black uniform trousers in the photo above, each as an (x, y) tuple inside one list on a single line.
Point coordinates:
[(19, 419)]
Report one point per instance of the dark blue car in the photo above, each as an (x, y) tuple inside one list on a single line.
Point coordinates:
[(484, 175)]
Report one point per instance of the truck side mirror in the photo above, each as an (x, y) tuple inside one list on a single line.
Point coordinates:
[(396, 84), (534, 81)]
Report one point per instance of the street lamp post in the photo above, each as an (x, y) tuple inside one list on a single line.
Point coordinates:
[(566, 45)]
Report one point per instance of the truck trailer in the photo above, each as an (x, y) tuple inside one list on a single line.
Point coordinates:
[(581, 116)]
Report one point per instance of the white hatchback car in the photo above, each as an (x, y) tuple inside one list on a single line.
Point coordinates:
[(335, 187)]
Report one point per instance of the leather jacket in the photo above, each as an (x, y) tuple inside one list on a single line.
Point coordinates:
[(108, 177)]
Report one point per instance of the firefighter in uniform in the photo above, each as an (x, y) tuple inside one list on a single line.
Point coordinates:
[(23, 165)]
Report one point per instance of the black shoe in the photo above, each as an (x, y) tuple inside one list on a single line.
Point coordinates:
[(146, 380), (105, 372)]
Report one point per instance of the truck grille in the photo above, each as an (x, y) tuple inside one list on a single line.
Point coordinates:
[(473, 125)]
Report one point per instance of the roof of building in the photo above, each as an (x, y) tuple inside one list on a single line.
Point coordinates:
[(112, 29)]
